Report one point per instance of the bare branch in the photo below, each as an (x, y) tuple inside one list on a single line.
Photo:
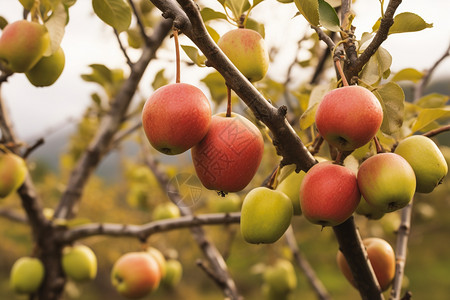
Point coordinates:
[(122, 48), (13, 215)]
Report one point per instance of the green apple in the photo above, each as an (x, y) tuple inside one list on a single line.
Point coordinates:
[(265, 215), (166, 210), (13, 171), (281, 277), (47, 70), (27, 275), (386, 181), (426, 159), (349, 117), (231, 202), (290, 186), (136, 274), (22, 45), (160, 259), (247, 51), (79, 263), (174, 272), (369, 211)]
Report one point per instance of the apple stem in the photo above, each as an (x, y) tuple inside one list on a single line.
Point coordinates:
[(337, 62), (177, 55), (273, 177), (378, 145), (228, 102)]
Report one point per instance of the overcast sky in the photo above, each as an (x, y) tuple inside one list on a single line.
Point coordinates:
[(87, 40)]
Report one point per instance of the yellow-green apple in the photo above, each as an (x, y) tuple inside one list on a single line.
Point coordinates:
[(329, 194), (160, 259), (381, 258), (369, 211), (227, 204), (290, 186), (247, 51), (166, 210), (426, 159), (174, 272), (176, 117), (47, 70), (13, 171), (280, 277), (265, 215), (349, 117), (227, 158), (136, 274), (79, 263), (27, 274), (386, 181), (22, 45)]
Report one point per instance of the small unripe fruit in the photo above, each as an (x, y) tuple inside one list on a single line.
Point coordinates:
[(47, 70), (27, 275)]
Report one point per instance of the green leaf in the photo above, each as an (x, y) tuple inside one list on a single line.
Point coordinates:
[(309, 9), (408, 22), (409, 74), (256, 26), (392, 99), (3, 22), (210, 14), (428, 116), (237, 7), (433, 100), (56, 26), (216, 85), (159, 80), (309, 116), (213, 33), (115, 13), (27, 4), (328, 16), (100, 74), (376, 67), (285, 171), (194, 55)]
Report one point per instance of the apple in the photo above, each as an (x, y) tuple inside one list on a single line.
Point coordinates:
[(349, 117), (79, 263), (369, 211), (160, 259), (47, 70), (176, 117), (13, 171), (426, 159), (227, 204), (265, 215), (166, 210), (280, 277), (22, 45), (386, 181), (136, 274), (174, 272), (247, 51), (290, 186), (381, 258), (227, 158), (329, 194), (27, 274)]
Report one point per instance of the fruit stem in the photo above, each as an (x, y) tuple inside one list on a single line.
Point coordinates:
[(337, 62), (378, 145), (228, 102), (177, 55)]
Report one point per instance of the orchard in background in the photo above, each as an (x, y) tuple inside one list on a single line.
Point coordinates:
[(231, 181)]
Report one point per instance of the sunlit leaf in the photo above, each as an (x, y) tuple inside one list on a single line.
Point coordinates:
[(56, 28), (429, 115), (285, 171), (256, 26), (194, 55), (237, 7), (308, 117), (392, 99), (433, 100), (309, 9), (376, 67), (328, 16), (159, 80), (210, 14), (213, 33), (115, 13), (409, 74), (216, 85), (408, 22)]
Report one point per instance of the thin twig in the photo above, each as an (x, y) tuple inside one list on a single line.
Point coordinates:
[(122, 47), (13, 215), (437, 131)]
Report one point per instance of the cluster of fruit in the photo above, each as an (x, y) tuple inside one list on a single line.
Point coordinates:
[(134, 274), (25, 48)]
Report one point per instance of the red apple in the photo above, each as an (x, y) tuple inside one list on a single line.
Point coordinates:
[(247, 51), (386, 181), (381, 257), (176, 117), (229, 156), (22, 45), (349, 117), (136, 274), (329, 194)]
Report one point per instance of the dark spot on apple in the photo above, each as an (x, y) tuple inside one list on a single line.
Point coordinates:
[(166, 150), (342, 141), (392, 206)]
